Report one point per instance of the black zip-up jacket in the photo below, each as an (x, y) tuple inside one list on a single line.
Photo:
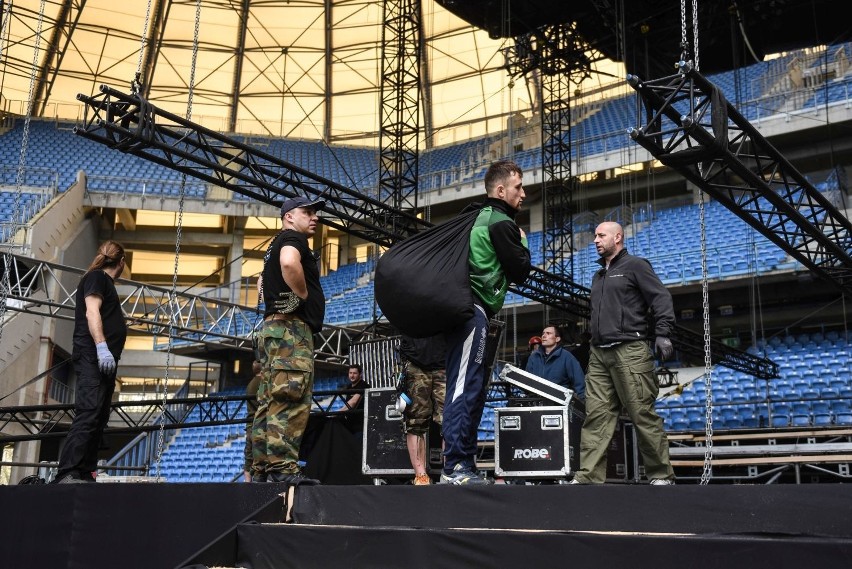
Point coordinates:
[(621, 297)]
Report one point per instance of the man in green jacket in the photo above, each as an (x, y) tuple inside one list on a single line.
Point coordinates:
[(498, 255)]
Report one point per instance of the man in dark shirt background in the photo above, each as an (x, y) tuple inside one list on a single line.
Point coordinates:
[(354, 417), (99, 336)]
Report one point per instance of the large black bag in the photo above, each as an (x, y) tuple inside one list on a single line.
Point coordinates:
[(422, 283)]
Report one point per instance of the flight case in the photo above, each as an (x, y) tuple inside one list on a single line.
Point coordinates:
[(536, 441), (384, 452)]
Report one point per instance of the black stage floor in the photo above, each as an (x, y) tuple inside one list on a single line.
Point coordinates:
[(130, 525)]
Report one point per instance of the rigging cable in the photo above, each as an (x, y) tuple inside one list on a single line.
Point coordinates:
[(174, 308), (707, 471), (9, 232)]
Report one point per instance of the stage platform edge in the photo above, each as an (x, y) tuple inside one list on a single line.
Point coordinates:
[(514, 525)]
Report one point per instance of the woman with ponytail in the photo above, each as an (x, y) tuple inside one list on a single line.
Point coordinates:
[(99, 336)]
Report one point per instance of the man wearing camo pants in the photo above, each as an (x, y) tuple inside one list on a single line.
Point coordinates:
[(294, 311), (426, 386)]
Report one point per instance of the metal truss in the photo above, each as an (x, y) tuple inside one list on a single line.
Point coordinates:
[(40, 422), (400, 104), (692, 343), (560, 58), (690, 127), (563, 60), (557, 183), (556, 291), (41, 288), (132, 125)]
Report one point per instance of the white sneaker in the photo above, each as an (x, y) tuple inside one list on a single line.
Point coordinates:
[(662, 482)]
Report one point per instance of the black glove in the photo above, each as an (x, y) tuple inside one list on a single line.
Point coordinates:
[(288, 302), (663, 347)]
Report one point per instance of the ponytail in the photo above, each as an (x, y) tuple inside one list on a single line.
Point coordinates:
[(109, 255)]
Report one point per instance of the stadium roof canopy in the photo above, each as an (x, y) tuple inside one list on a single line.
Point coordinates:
[(301, 68), (311, 68)]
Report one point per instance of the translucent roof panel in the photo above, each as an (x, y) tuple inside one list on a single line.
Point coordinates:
[(297, 68)]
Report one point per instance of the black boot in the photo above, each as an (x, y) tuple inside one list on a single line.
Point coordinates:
[(295, 479)]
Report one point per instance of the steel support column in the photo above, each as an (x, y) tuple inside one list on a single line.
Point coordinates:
[(400, 107)]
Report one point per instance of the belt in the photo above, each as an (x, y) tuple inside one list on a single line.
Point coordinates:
[(610, 345), (280, 316)]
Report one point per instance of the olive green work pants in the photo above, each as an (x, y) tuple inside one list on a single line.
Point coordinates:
[(622, 376)]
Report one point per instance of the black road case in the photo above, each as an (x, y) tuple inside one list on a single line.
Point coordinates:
[(537, 442), (383, 450), (384, 453)]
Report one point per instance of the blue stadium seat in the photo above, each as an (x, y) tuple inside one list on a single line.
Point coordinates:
[(780, 420), (822, 419), (843, 419), (800, 420)]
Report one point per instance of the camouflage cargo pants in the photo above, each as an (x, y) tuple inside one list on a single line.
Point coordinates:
[(284, 396), (427, 390)]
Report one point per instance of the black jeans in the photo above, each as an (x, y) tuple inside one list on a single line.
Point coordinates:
[(93, 398)]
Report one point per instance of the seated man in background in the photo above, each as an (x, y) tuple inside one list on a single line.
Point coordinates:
[(357, 384), (354, 403)]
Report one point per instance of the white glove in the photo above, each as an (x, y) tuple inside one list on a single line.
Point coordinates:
[(106, 361)]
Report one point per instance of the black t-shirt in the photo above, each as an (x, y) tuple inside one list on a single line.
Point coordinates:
[(360, 385), (100, 284), (429, 354), (312, 311)]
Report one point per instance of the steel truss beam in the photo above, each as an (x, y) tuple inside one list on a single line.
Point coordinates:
[(692, 343), (562, 58), (132, 125), (400, 104), (40, 422), (39, 287), (690, 127), (557, 183)]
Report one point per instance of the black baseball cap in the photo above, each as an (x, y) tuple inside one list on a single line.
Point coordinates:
[(299, 201)]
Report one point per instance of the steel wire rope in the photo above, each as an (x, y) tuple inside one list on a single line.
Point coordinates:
[(174, 309), (707, 469), (8, 233)]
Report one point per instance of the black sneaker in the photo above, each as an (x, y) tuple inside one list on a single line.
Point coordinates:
[(293, 479), (462, 476)]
